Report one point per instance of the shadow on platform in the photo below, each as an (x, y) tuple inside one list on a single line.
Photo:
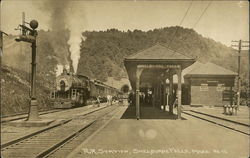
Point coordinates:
[(148, 113)]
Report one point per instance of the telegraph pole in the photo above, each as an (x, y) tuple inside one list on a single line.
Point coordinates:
[(239, 61), (1, 45), (1, 54), (239, 79)]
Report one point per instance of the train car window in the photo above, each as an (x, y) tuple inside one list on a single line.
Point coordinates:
[(53, 95), (73, 93)]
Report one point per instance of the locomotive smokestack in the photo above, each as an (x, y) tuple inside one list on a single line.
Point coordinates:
[(71, 69), (64, 71)]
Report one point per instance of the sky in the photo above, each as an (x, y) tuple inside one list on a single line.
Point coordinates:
[(223, 21)]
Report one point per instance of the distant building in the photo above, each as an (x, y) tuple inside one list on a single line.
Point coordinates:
[(209, 84)]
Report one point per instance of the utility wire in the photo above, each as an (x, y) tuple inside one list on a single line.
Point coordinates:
[(199, 20), (190, 4), (202, 13), (186, 12), (195, 22)]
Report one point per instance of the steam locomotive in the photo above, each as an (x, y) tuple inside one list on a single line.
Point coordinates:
[(78, 90)]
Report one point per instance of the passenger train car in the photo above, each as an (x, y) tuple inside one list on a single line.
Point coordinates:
[(77, 90)]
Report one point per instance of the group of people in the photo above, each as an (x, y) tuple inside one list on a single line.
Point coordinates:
[(109, 100), (145, 97)]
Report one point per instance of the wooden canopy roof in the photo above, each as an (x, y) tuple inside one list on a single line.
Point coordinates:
[(158, 55)]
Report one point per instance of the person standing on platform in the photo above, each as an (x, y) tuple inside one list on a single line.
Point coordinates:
[(98, 101), (109, 99), (130, 98), (175, 98)]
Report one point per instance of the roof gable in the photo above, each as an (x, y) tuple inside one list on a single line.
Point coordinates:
[(186, 71), (158, 51)]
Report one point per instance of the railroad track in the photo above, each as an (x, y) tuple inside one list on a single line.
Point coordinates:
[(65, 149), (49, 141), (15, 117), (45, 129), (22, 113), (232, 125)]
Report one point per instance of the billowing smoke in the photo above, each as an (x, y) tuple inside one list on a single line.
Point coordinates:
[(58, 13), (76, 21), (59, 70), (74, 43), (66, 23)]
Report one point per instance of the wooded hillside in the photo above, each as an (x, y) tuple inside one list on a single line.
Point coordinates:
[(102, 52)]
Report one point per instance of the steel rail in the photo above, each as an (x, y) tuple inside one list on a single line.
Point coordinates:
[(15, 141), (50, 151), (40, 113), (220, 124), (22, 113), (23, 117), (236, 122), (47, 151), (5, 145)]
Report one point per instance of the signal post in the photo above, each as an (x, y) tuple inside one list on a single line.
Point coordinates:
[(29, 35)]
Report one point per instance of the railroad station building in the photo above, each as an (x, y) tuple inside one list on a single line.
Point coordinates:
[(174, 79), (148, 71), (209, 84)]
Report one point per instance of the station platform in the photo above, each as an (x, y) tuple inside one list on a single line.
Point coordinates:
[(147, 112), (158, 135)]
